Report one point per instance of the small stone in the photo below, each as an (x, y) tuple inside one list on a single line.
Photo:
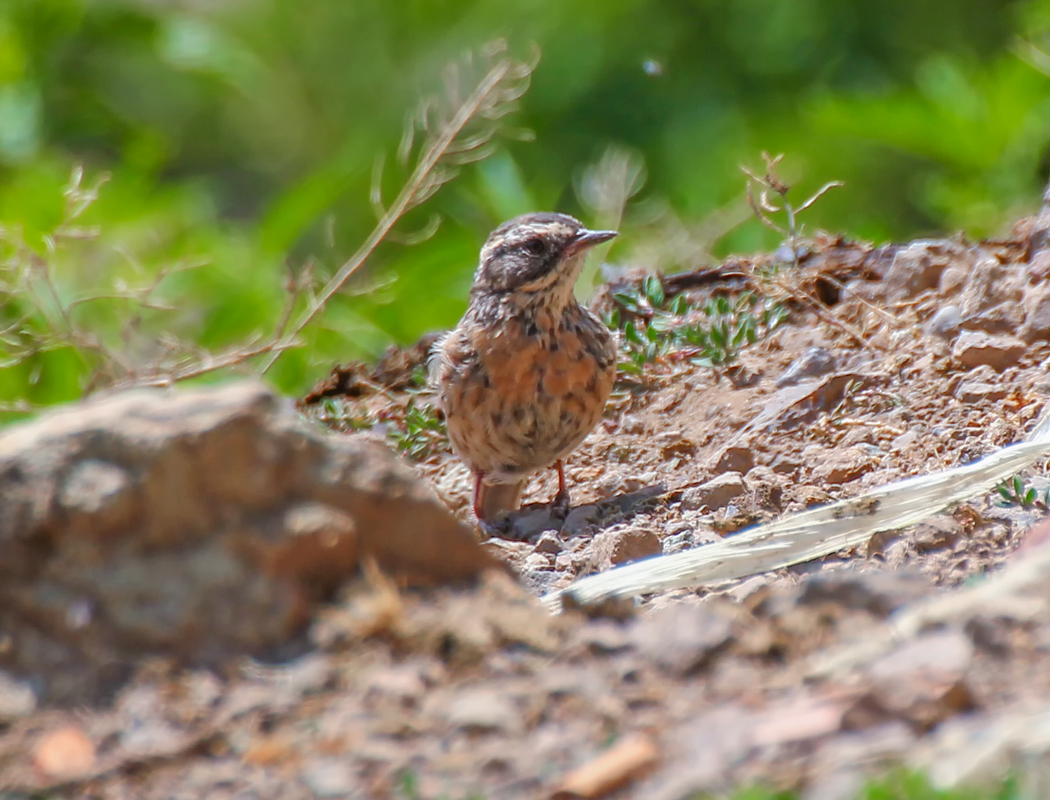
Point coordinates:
[(537, 561), (785, 464), (673, 443), (619, 546), (843, 466), (844, 783), (736, 458), (1036, 325), (969, 392), (923, 681), (16, 699), (916, 268), (716, 493), (682, 638), (906, 441), (1005, 317), (631, 423), (812, 364), (953, 279), (976, 348), (330, 777), (678, 542), (946, 322), (747, 587), (681, 526), (990, 284), (549, 542), (483, 711), (766, 487), (936, 533)]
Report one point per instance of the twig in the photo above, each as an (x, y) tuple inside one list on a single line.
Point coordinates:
[(425, 179)]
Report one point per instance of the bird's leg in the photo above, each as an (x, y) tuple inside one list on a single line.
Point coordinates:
[(560, 505), (489, 529), (477, 496)]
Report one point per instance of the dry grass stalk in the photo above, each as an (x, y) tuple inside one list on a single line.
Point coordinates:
[(450, 141)]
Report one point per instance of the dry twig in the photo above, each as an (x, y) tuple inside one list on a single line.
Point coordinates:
[(450, 141)]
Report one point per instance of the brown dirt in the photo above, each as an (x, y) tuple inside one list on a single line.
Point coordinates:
[(481, 694)]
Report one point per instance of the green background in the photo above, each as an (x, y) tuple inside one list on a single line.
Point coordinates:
[(240, 135)]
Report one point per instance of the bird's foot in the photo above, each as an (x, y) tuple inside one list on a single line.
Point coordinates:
[(494, 530), (560, 506)]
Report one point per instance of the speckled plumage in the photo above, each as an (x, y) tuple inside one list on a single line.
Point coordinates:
[(525, 375)]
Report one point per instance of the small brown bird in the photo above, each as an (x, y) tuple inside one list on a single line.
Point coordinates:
[(524, 376)]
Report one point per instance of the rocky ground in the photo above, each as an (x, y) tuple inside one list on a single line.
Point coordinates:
[(352, 675)]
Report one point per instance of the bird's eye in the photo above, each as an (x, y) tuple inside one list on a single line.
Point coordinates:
[(536, 246)]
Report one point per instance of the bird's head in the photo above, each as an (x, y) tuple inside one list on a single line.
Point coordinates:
[(538, 253)]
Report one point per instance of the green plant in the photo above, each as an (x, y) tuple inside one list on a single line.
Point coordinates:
[(711, 335), (763, 205), (335, 414), (1016, 492), (417, 433)]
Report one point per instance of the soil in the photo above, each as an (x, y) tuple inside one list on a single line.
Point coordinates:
[(893, 361)]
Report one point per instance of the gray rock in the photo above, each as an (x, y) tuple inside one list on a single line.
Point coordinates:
[(716, 493), (199, 524), (812, 364), (946, 322)]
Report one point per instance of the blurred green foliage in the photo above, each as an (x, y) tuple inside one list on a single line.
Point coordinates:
[(242, 134)]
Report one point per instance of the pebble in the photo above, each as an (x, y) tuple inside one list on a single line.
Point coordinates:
[(976, 348), (716, 493), (16, 699), (483, 711), (812, 364), (549, 542), (946, 322)]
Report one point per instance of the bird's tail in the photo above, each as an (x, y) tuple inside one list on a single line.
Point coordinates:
[(496, 499)]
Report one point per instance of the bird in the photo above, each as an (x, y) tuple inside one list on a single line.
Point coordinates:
[(524, 376)]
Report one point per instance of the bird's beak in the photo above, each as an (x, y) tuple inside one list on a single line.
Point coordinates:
[(586, 239)]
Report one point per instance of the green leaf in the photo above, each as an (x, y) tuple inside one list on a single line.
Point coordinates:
[(653, 289)]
